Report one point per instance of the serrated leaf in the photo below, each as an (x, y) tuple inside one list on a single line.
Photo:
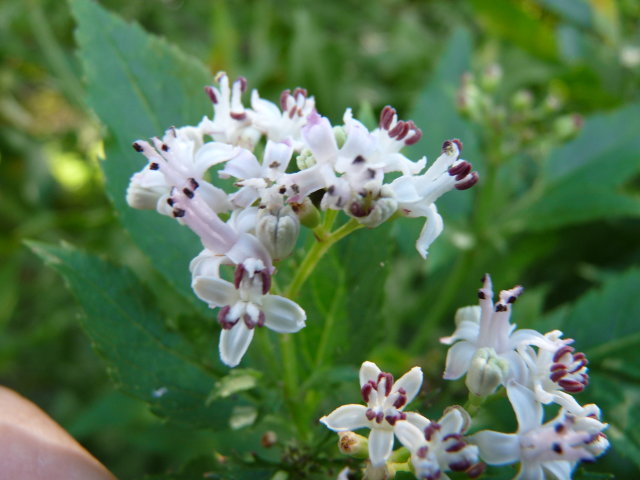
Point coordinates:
[(139, 85), (143, 357), (584, 177)]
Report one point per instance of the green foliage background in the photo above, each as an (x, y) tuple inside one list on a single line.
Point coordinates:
[(564, 222)]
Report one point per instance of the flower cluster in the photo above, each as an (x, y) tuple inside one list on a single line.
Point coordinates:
[(536, 370), (349, 168)]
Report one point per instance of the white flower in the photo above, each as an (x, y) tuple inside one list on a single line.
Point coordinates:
[(385, 401), (246, 304), (439, 447), (549, 450), (556, 371), (416, 194), (486, 330), (231, 123), (282, 125)]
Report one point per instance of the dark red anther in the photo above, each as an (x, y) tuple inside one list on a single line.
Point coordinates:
[(456, 447), (300, 91), (458, 144), (400, 126), (266, 281), (430, 430), (415, 137), (170, 201), (580, 357), (293, 111), (222, 318), (460, 169), (248, 321), (283, 99), (559, 427), (238, 275), (391, 419), (370, 414), (165, 147), (571, 386), (422, 451), (212, 94), (500, 307), (243, 84), (476, 470), (561, 352), (460, 466), (405, 130), (481, 295), (386, 117), (178, 212), (400, 402), (187, 192), (388, 382), (557, 375), (366, 391), (579, 366), (238, 115), (379, 417), (193, 183), (154, 166), (473, 179), (261, 319), (137, 147)]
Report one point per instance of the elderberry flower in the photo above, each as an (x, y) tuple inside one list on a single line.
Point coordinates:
[(485, 332), (439, 447), (385, 401), (556, 371), (553, 448), (246, 304), (416, 194)]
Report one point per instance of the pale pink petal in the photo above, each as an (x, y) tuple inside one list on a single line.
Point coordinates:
[(242, 166), (320, 139), (282, 315), (527, 409), (409, 435), (215, 291), (234, 343), (346, 418), (458, 360), (276, 157), (369, 372), (497, 448), (380, 446)]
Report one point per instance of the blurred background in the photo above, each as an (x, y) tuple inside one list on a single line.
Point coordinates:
[(537, 69)]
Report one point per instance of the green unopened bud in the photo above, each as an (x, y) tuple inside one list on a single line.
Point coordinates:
[(307, 213), (486, 372), (278, 231), (567, 126), (354, 445), (522, 100), (305, 159), (491, 77), (340, 134)]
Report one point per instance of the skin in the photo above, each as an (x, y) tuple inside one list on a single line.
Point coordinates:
[(34, 447)]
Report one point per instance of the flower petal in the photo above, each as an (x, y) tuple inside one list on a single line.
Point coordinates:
[(497, 448), (453, 421), (409, 435), (530, 471), (346, 418), (234, 343), (527, 409), (380, 446), (215, 291), (560, 469), (430, 231), (458, 360), (417, 420), (369, 371), (410, 382), (282, 315)]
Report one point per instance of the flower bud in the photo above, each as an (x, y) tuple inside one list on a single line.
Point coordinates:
[(354, 445), (491, 77), (522, 100), (567, 126), (341, 135), (305, 159), (307, 213), (145, 189), (486, 372), (278, 231)]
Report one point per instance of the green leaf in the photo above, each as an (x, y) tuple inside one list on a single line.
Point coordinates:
[(144, 358), (585, 177), (139, 85)]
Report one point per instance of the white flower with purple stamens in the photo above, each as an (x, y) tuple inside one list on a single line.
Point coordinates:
[(246, 304), (385, 402), (485, 331), (286, 122), (439, 447), (416, 194), (231, 123), (543, 450), (557, 371)]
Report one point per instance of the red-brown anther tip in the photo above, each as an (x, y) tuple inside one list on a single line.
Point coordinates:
[(370, 414), (397, 129), (261, 319), (473, 179), (246, 318), (293, 111), (476, 470), (386, 116), (458, 144), (300, 91), (243, 84), (238, 115), (366, 391), (266, 281), (561, 352), (137, 147), (211, 93), (283, 99), (405, 130), (237, 276), (460, 466), (222, 318)]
